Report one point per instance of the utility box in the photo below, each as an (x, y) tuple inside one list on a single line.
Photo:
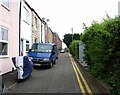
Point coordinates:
[(81, 52)]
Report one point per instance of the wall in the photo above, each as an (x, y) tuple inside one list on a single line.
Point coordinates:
[(50, 36), (25, 32), (35, 28), (9, 18)]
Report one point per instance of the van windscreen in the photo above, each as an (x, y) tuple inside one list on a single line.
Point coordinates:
[(43, 48)]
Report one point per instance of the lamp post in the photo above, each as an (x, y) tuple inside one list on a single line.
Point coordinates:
[(41, 31), (119, 8), (43, 22), (72, 33), (47, 30)]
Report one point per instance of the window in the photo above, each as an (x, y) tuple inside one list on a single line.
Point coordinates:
[(35, 21), (3, 41), (21, 45), (44, 48), (35, 40), (27, 46), (27, 15), (6, 3)]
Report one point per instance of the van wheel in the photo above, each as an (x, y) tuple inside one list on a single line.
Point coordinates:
[(50, 65), (54, 62)]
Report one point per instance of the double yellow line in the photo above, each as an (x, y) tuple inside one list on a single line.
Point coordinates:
[(80, 76)]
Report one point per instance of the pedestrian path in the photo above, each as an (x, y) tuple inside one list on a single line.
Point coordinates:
[(9, 79)]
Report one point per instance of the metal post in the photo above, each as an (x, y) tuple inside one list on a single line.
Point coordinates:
[(41, 30), (72, 33), (119, 8), (42, 22), (47, 30)]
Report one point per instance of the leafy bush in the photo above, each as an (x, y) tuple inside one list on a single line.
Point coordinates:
[(113, 64), (94, 40), (74, 48), (102, 51)]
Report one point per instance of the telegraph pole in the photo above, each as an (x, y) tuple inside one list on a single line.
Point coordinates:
[(119, 8), (42, 23), (72, 33)]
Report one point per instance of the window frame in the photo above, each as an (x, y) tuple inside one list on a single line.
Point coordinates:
[(35, 22), (6, 6), (5, 41), (27, 15), (21, 45), (27, 44)]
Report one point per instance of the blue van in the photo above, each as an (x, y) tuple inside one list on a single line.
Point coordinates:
[(43, 54)]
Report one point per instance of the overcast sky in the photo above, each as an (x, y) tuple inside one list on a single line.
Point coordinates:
[(67, 14)]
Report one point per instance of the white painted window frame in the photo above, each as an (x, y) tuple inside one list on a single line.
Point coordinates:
[(4, 5), (5, 41)]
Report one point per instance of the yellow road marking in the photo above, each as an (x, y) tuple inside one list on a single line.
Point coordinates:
[(80, 83), (84, 81)]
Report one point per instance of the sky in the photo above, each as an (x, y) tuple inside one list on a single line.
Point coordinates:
[(67, 14)]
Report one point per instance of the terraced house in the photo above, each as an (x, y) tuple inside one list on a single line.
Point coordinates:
[(9, 33), (36, 27), (20, 26), (25, 27)]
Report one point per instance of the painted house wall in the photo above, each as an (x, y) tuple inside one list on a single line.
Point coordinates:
[(9, 19), (26, 32)]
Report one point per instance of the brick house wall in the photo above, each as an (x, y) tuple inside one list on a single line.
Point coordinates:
[(35, 27)]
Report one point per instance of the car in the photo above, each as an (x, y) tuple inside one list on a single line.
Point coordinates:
[(43, 54), (62, 51)]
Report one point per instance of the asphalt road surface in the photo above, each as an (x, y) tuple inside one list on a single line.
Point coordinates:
[(66, 76)]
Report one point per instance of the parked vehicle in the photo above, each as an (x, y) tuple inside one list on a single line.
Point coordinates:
[(24, 66), (43, 54), (62, 51)]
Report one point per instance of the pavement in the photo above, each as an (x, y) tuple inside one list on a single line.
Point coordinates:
[(9, 78), (104, 85)]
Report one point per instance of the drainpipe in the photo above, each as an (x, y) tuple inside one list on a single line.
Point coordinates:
[(41, 29), (20, 26)]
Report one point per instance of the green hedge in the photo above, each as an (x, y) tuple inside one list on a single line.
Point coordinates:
[(102, 51), (74, 48)]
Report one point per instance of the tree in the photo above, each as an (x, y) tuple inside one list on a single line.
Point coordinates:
[(102, 51), (76, 36), (68, 38)]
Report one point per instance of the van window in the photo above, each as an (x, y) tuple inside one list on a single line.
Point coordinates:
[(54, 48), (41, 48)]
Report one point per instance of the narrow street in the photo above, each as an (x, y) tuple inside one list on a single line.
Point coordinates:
[(64, 77)]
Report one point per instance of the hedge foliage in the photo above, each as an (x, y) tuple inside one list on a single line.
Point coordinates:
[(74, 49), (102, 51)]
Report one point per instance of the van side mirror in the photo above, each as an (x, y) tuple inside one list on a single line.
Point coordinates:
[(30, 50), (53, 52)]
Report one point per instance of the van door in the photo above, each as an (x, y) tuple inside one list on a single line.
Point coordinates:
[(54, 53)]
